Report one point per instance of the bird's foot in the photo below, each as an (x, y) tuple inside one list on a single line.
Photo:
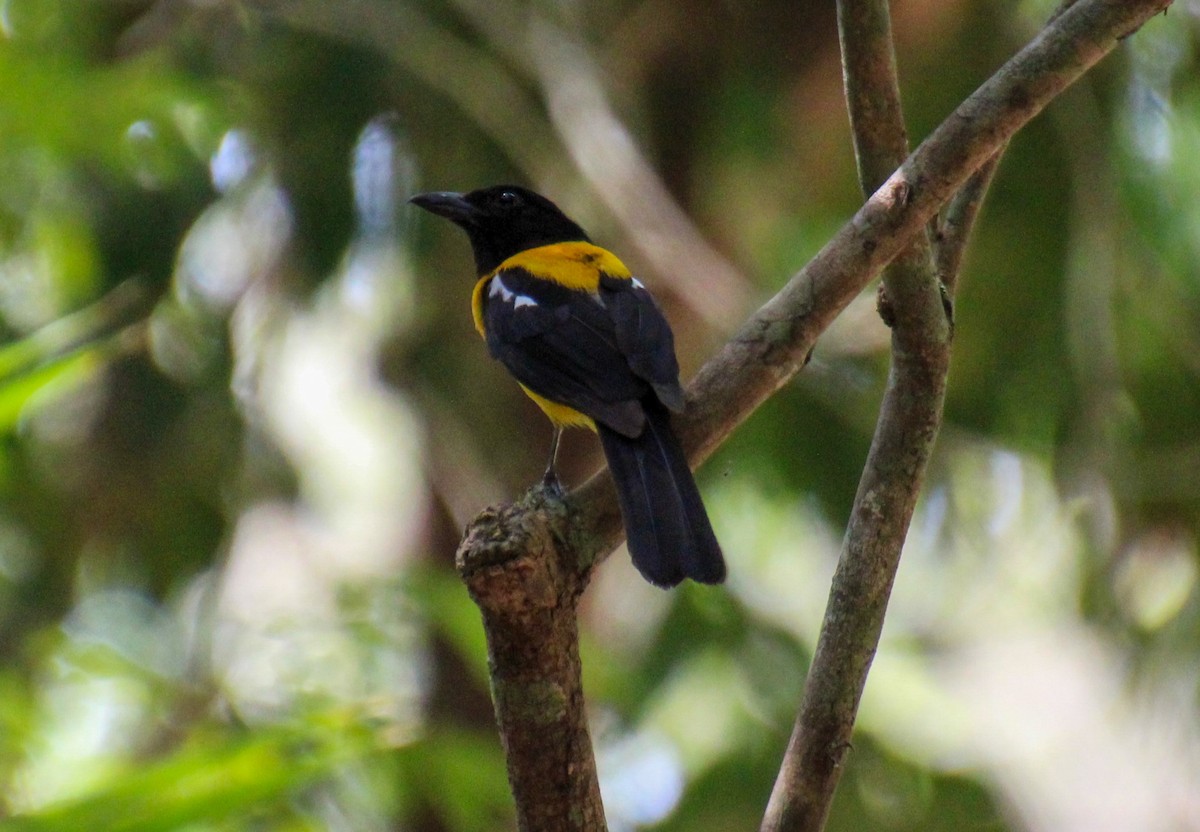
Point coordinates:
[(551, 484)]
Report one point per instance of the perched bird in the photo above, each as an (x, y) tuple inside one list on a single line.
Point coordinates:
[(589, 345)]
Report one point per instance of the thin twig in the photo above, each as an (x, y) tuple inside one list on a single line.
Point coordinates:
[(125, 305), (958, 219)]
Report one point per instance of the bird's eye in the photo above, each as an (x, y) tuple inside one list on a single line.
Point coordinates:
[(508, 199)]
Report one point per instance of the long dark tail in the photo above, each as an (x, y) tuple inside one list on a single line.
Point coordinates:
[(669, 533)]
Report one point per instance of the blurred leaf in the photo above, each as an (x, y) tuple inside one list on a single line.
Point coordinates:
[(236, 777), (118, 115), (42, 384), (444, 601), (462, 777)]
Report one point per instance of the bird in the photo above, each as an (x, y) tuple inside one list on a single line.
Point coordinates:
[(588, 343)]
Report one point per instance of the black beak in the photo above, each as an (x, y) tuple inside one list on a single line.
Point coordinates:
[(448, 204)]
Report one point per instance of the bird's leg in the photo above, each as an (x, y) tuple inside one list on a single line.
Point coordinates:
[(550, 478)]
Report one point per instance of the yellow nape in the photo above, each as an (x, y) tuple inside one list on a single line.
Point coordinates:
[(561, 415), (575, 265)]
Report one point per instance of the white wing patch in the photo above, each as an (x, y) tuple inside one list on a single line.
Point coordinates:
[(507, 295), (637, 284)]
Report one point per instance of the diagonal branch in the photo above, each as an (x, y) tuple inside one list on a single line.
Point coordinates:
[(535, 538), (773, 345)]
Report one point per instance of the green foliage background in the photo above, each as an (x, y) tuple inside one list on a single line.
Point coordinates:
[(244, 417)]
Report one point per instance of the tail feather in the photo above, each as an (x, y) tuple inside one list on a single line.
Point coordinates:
[(669, 533)]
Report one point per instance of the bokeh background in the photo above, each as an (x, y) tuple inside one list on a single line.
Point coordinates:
[(245, 417)]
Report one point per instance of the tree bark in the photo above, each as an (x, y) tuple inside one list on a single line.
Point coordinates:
[(512, 566)]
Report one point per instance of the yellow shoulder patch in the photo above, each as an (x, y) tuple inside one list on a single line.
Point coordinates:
[(574, 265)]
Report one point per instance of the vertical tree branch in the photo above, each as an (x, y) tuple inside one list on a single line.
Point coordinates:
[(872, 90), (909, 418), (513, 568)]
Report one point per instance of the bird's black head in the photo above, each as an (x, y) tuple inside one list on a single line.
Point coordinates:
[(502, 220)]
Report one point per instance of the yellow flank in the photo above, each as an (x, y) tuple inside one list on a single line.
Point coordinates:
[(477, 304), (561, 415)]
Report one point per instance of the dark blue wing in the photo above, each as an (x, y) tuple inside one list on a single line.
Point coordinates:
[(598, 353), (644, 337)]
